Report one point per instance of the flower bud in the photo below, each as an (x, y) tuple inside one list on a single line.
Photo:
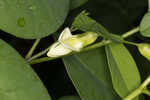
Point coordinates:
[(68, 43), (88, 38), (144, 49), (77, 42), (57, 49)]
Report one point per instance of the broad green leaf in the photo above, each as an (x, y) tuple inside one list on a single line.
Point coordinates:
[(145, 25), (69, 98), (17, 79), (124, 72), (76, 3), (90, 75), (85, 23), (32, 19)]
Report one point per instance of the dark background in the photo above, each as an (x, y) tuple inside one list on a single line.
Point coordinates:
[(118, 16)]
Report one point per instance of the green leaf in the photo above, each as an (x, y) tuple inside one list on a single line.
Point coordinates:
[(17, 79), (90, 75), (124, 72), (77, 3), (69, 98), (32, 19), (85, 23), (145, 25)]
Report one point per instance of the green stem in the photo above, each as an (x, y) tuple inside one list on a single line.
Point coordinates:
[(45, 50), (138, 91), (100, 44), (29, 54), (131, 43), (148, 5), (39, 54), (131, 32), (134, 94), (43, 59)]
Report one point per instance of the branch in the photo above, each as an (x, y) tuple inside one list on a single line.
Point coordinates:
[(100, 44), (148, 5), (142, 89), (29, 54)]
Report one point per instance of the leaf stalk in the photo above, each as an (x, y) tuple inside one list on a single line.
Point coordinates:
[(33, 59)]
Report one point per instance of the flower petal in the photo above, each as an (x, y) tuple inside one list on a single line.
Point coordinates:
[(65, 34), (73, 43), (57, 49)]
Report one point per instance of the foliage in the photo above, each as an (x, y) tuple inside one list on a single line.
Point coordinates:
[(101, 64), (144, 26), (121, 64), (18, 80), (34, 19)]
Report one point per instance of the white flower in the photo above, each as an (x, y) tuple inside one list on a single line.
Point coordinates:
[(57, 49), (68, 43)]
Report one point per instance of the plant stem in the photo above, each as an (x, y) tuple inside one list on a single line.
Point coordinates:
[(142, 89), (134, 94), (100, 44), (36, 61), (29, 54), (131, 43), (46, 50), (131, 32), (148, 5), (39, 54)]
